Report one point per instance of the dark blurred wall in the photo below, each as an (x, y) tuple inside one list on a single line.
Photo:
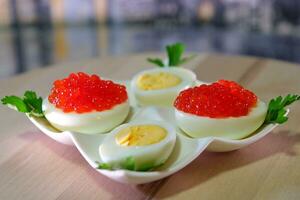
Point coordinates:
[(37, 33)]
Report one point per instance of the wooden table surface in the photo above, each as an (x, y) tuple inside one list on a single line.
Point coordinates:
[(33, 166)]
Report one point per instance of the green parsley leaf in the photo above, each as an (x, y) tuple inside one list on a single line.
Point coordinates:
[(29, 103), (146, 167), (276, 108), (156, 61), (128, 164), (15, 102), (186, 59), (104, 166), (34, 103), (174, 52)]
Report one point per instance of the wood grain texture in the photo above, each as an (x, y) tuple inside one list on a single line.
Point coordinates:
[(32, 166)]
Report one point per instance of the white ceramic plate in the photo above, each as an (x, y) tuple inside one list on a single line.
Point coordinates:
[(185, 151)]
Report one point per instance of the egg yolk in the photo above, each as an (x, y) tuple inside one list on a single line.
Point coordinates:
[(140, 135), (156, 81)]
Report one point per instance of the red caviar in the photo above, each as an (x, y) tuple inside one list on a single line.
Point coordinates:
[(218, 100), (82, 93)]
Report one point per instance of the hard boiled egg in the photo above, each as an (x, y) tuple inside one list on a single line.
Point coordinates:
[(160, 86), (231, 127), (89, 123), (222, 109), (86, 104), (147, 144)]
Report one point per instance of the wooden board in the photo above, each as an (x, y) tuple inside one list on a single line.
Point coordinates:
[(32, 166)]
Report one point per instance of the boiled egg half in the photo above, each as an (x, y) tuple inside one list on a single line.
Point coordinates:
[(147, 144), (86, 104), (160, 86), (222, 109)]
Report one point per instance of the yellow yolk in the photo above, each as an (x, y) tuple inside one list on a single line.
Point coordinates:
[(157, 81), (140, 135)]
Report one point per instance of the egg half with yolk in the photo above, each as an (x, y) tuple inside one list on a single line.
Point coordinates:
[(148, 144), (86, 104), (160, 86), (222, 109)]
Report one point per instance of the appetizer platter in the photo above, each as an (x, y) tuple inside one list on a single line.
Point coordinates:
[(147, 128)]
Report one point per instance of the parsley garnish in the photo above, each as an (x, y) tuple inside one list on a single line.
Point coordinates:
[(128, 164), (104, 166), (276, 109), (174, 52), (29, 103)]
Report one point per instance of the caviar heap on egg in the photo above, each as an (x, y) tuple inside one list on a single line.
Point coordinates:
[(86, 103), (223, 109)]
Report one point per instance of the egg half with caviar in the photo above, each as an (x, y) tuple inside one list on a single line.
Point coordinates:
[(86, 104), (160, 86), (147, 144), (222, 109)]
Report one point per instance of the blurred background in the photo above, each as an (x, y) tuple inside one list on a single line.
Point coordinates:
[(38, 33)]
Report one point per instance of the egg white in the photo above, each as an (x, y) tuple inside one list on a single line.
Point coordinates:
[(89, 123), (149, 155), (230, 128), (166, 96)]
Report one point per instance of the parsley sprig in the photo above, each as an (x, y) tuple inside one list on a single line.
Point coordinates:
[(174, 52), (128, 164), (30, 103), (277, 108)]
